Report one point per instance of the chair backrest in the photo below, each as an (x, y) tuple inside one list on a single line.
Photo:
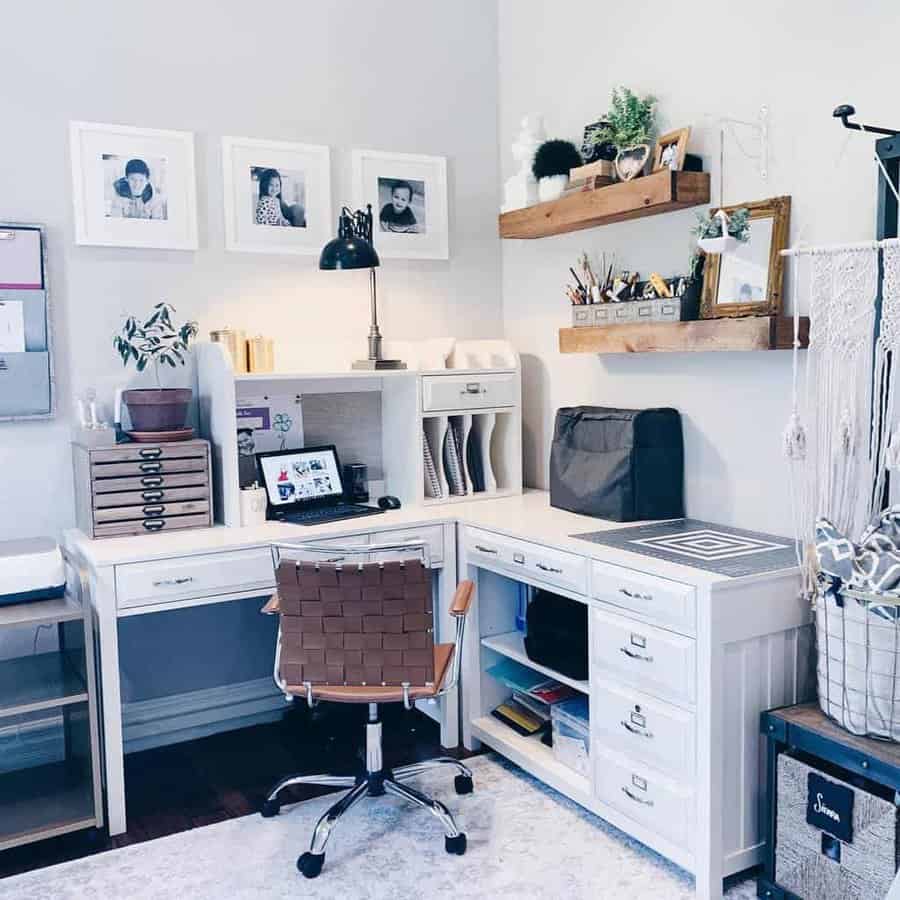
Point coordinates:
[(368, 623)]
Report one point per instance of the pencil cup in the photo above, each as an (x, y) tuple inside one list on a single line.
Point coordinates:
[(253, 506)]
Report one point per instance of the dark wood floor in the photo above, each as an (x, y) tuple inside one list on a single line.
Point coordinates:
[(183, 786)]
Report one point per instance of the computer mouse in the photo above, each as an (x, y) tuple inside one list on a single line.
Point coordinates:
[(388, 502)]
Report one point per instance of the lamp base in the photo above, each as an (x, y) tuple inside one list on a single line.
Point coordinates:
[(373, 364)]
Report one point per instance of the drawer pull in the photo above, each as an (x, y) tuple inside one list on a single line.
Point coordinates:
[(151, 453), (154, 510), (519, 558), (485, 549), (636, 595), (631, 796), (150, 466), (544, 568), (634, 730), (473, 387), (173, 582), (335, 559), (632, 655), (154, 524), (152, 496), (151, 482)]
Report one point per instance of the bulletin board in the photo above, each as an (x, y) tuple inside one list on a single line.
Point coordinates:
[(27, 389)]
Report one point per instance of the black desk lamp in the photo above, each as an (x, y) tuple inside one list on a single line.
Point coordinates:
[(352, 249)]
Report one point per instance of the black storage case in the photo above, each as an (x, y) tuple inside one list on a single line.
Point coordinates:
[(621, 464), (557, 634)]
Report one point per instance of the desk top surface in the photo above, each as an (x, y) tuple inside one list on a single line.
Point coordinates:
[(527, 517)]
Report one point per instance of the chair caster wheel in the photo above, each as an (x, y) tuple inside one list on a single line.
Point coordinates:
[(456, 845), (270, 808), (463, 784), (310, 864)]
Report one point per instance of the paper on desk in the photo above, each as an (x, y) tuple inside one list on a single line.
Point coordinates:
[(12, 326), (20, 259)]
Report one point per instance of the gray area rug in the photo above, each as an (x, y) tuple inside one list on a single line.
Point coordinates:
[(525, 841)]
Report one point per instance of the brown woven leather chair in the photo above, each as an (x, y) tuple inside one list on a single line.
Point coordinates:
[(362, 632)]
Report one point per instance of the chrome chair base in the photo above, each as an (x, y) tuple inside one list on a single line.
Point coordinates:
[(376, 782)]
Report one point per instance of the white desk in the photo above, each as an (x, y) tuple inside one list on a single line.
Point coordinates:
[(727, 648)]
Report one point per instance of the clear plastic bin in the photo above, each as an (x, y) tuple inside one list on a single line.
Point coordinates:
[(571, 734)]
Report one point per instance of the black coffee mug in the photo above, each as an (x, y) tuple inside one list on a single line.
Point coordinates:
[(356, 482)]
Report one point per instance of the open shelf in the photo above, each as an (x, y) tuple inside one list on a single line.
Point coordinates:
[(44, 681), (40, 612), (512, 644), (43, 802), (749, 333), (533, 757), (650, 195)]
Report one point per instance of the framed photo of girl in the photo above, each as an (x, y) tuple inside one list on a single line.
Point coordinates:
[(133, 187), (277, 196), (408, 194)]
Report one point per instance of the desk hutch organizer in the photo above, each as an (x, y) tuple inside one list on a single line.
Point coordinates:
[(26, 371), (470, 419)]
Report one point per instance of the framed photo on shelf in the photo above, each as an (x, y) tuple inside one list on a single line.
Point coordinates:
[(670, 150), (277, 196), (408, 194), (748, 280), (133, 187)]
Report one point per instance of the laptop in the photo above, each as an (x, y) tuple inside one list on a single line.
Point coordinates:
[(305, 487)]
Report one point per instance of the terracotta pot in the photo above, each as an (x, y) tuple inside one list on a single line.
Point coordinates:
[(157, 409)]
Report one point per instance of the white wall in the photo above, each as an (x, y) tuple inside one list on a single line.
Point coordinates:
[(402, 75), (802, 59)]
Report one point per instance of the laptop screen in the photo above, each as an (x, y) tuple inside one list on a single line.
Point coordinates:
[(301, 475)]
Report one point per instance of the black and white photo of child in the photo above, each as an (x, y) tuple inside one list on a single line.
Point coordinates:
[(247, 474), (402, 205), (669, 156), (134, 188), (279, 197)]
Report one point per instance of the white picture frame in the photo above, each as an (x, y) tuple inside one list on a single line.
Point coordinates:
[(299, 222), (419, 229), (107, 160)]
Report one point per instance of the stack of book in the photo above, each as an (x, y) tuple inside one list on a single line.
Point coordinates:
[(527, 712)]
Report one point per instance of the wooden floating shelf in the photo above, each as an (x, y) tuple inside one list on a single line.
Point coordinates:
[(749, 333), (650, 195)]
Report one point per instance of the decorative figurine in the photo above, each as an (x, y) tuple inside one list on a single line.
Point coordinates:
[(521, 189)]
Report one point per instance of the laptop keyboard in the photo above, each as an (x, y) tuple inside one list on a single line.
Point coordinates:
[(329, 514)]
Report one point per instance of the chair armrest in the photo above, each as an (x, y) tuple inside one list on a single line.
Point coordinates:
[(462, 599), (273, 606)]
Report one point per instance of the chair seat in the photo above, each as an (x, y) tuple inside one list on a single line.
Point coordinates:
[(378, 693)]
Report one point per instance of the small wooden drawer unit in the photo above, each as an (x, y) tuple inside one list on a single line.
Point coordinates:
[(464, 392), (142, 488)]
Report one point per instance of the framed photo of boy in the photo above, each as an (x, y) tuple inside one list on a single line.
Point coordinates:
[(277, 196), (408, 194), (133, 187)]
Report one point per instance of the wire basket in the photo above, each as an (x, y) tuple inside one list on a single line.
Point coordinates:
[(858, 643)]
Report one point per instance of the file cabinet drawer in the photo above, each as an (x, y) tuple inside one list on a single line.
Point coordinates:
[(149, 452), (555, 568), (431, 535), (149, 495), (661, 804), (659, 600), (446, 392), (644, 657), (642, 728), (144, 584), (152, 511)]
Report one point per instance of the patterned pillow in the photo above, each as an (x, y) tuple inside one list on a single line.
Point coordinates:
[(872, 566)]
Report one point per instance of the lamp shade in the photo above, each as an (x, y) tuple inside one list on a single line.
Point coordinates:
[(348, 253)]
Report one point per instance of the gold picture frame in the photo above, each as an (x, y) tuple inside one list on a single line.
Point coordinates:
[(678, 141), (740, 273)]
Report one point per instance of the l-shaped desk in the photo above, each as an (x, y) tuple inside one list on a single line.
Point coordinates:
[(714, 652)]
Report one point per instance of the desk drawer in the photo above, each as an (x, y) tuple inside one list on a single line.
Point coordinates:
[(432, 535), (103, 486), (151, 511), (663, 602), (335, 555), (644, 729), (148, 467), (641, 656), (445, 392), (555, 568), (206, 575), (661, 804)]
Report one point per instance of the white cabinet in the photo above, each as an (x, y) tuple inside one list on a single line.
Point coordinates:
[(442, 393)]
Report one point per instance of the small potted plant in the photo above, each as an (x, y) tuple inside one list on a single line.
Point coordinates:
[(630, 125), (158, 342), (552, 162), (717, 232)]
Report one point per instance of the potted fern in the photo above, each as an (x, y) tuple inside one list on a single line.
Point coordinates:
[(156, 342), (719, 232), (630, 125)]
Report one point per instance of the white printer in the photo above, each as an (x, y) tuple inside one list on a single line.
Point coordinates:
[(31, 569)]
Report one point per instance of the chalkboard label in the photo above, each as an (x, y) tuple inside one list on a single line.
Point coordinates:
[(829, 806)]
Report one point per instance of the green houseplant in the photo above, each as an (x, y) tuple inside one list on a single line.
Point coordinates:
[(719, 232), (630, 126), (155, 342)]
